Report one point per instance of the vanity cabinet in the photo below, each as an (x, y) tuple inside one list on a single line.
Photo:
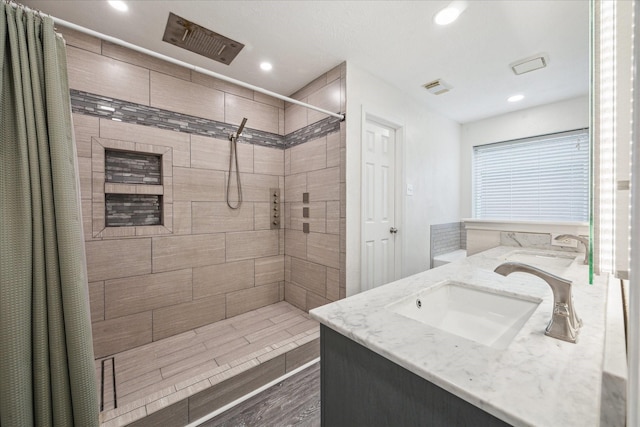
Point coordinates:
[(361, 388)]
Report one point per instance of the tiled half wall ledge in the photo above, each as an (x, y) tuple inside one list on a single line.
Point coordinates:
[(128, 112)]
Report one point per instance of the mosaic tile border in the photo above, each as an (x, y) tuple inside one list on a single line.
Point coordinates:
[(115, 109)]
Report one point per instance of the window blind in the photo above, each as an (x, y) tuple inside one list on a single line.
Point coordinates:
[(540, 178)]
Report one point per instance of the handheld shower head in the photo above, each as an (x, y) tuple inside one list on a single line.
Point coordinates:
[(244, 120)]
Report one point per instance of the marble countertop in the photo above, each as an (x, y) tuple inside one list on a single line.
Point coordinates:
[(536, 381)]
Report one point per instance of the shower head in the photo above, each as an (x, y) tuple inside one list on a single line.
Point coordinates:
[(244, 120)]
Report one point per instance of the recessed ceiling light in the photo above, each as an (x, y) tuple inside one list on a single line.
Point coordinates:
[(516, 98), (266, 66), (450, 13), (119, 5)]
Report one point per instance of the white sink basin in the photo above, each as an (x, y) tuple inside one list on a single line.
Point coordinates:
[(486, 316), (545, 261)]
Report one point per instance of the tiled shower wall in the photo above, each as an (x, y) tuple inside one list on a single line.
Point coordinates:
[(206, 262), (314, 261)]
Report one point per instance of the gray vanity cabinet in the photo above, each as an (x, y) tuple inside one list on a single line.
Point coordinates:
[(361, 388)]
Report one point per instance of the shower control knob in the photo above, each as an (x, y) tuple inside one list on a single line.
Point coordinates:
[(393, 230)]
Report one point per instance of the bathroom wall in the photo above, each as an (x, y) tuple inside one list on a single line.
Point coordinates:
[(205, 262), (315, 260), (431, 164)]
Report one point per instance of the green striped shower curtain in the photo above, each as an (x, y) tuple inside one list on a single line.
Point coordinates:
[(46, 357)]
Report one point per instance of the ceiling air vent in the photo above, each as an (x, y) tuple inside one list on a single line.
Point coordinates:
[(437, 87), (529, 64), (200, 40)]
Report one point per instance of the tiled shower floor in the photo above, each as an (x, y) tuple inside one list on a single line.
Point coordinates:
[(158, 374)]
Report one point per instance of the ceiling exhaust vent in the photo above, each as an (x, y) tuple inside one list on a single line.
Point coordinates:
[(200, 40), (529, 64), (437, 87)]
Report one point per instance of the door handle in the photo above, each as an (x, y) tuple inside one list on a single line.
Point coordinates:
[(393, 230)]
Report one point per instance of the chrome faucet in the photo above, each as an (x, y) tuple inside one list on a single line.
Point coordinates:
[(564, 324), (580, 239)]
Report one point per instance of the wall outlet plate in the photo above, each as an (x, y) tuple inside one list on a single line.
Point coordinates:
[(565, 243)]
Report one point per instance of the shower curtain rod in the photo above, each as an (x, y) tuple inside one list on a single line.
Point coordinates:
[(186, 64)]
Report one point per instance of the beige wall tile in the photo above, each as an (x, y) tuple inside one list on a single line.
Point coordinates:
[(314, 86), (295, 295), (295, 243), (140, 59), (309, 156), (269, 270), (295, 117), (328, 98), (97, 218), (97, 74), (222, 278), (250, 299), (287, 268), (303, 354), (116, 335), (84, 128), (142, 293), (260, 116), (314, 301), (87, 219), (333, 149), (168, 321), (316, 220), (80, 40), (294, 186), (221, 85), (181, 218), (96, 301), (84, 170), (211, 153), (287, 162), (177, 95), (268, 161), (262, 216), (333, 284), (324, 249), (333, 217), (113, 259), (324, 184), (217, 217), (179, 142), (233, 388), (255, 188), (251, 244), (198, 185), (334, 73), (270, 100), (178, 252), (312, 277), (281, 121)]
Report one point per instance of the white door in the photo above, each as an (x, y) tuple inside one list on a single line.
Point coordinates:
[(378, 206)]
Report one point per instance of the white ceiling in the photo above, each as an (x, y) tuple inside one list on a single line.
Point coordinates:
[(396, 41)]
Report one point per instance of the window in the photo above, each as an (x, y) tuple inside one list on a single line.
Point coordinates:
[(542, 178)]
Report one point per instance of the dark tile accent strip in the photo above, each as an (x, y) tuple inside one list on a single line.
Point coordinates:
[(128, 112), (313, 131)]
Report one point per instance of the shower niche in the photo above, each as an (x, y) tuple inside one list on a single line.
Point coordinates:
[(133, 169), (132, 194)]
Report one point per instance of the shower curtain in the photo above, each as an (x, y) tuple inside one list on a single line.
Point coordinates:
[(46, 356)]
